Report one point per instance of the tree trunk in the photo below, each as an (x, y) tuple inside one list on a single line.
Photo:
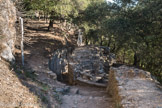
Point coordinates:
[(114, 47), (135, 59), (86, 39), (50, 24), (124, 56), (109, 42), (101, 42), (51, 20)]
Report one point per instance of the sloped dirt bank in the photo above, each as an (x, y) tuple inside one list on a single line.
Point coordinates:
[(13, 93)]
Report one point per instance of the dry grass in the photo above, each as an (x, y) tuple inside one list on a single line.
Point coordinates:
[(13, 92), (141, 75), (131, 74), (1, 47), (70, 75), (1, 40), (113, 90)]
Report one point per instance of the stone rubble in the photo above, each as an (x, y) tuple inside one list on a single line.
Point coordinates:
[(89, 65)]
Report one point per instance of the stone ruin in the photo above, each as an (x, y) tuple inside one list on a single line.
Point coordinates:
[(91, 64), (87, 64), (137, 88), (59, 62)]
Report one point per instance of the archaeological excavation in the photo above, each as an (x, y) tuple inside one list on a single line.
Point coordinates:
[(80, 54)]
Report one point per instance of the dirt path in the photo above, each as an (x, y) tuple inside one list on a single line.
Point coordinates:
[(41, 44), (82, 96)]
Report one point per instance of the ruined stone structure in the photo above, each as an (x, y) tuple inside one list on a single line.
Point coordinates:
[(89, 64), (137, 88), (59, 62)]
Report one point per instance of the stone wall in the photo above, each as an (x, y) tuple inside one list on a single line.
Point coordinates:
[(88, 64), (58, 63), (7, 29), (137, 89)]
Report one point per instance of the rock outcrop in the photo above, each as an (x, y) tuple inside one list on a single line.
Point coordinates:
[(7, 29)]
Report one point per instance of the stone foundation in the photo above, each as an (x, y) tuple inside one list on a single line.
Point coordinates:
[(137, 89)]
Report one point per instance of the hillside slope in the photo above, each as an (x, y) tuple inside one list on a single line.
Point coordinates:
[(13, 93)]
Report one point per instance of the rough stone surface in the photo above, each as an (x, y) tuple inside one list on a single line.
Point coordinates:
[(59, 64), (137, 88), (87, 64), (7, 29)]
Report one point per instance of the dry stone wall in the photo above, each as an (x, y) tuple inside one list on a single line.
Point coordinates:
[(137, 88), (59, 63), (89, 64)]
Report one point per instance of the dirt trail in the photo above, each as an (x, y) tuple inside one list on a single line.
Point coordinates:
[(82, 96), (39, 49)]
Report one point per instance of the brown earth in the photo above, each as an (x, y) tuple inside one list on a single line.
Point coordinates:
[(12, 92)]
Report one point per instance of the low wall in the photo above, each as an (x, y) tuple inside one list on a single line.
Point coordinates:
[(135, 88)]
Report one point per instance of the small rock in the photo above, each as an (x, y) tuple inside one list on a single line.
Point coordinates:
[(75, 102), (74, 91), (63, 90), (84, 101), (90, 97), (60, 90), (67, 89)]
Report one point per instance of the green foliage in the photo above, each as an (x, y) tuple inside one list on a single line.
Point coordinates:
[(137, 29), (131, 28)]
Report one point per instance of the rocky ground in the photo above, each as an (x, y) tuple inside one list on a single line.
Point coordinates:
[(85, 96)]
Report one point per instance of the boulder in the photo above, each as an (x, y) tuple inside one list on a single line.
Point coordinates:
[(7, 29)]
